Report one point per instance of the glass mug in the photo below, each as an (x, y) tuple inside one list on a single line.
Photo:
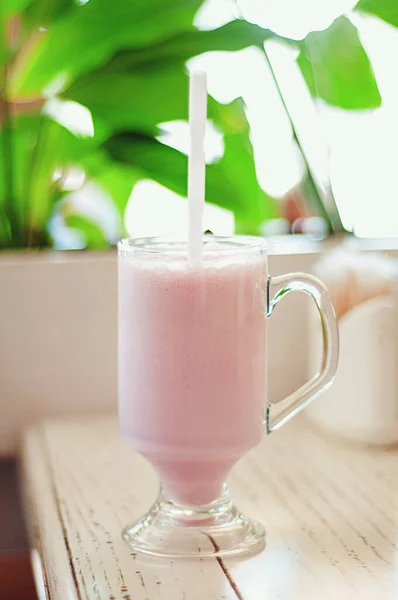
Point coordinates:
[(192, 382)]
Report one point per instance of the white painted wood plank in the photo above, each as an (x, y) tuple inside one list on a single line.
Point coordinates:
[(50, 556), (331, 515), (330, 512)]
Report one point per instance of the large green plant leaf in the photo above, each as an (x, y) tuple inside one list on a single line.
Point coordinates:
[(3, 45), (4, 225), (39, 147), (46, 156), (230, 183), (139, 89), (89, 35), (180, 47), (14, 7), (26, 130), (135, 101), (15, 172), (43, 12), (51, 147), (337, 68), (384, 9)]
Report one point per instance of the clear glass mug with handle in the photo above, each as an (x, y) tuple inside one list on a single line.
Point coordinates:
[(192, 382)]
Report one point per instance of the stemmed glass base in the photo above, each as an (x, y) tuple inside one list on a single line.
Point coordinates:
[(216, 529)]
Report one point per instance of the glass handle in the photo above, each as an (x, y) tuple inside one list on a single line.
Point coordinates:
[(278, 414)]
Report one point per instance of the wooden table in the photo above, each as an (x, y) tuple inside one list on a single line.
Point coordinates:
[(331, 514)]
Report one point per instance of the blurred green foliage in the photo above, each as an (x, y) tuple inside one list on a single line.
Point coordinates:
[(337, 68), (384, 9), (125, 62)]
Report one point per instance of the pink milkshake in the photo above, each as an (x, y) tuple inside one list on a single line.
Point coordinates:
[(192, 363)]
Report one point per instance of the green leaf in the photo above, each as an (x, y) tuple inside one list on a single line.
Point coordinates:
[(139, 89), (25, 132), (93, 236), (179, 48), (87, 36), (138, 101), (5, 233), (22, 131), (384, 9), (337, 68), (134, 101), (3, 45), (150, 158), (230, 183), (43, 12), (39, 147), (41, 193), (14, 7), (53, 147)]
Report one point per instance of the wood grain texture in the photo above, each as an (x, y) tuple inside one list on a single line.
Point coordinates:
[(331, 514)]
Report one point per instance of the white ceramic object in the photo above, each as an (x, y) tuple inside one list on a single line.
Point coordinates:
[(362, 403)]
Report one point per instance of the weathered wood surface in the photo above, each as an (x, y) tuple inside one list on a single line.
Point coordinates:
[(331, 514)]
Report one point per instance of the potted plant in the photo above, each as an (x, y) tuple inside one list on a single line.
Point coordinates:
[(83, 88)]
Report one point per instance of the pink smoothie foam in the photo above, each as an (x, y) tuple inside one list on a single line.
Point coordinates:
[(192, 384)]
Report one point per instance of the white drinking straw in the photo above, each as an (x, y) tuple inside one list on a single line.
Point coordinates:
[(196, 165)]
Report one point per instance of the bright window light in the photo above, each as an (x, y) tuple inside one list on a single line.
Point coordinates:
[(294, 18), (302, 109), (363, 145), (246, 74), (215, 13)]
